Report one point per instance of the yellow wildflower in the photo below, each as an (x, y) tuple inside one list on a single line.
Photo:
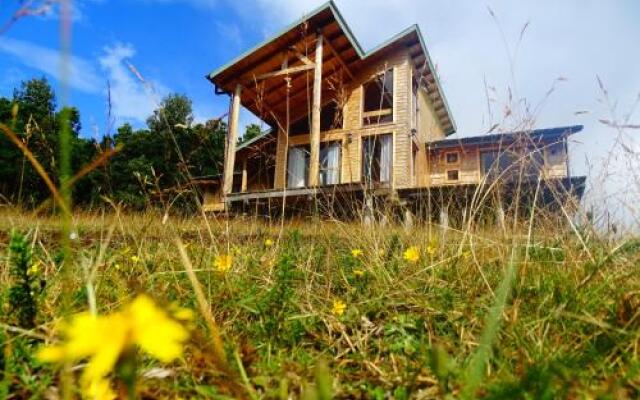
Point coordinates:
[(431, 249), (356, 252), (338, 307), (358, 273), (34, 269), (412, 254), (104, 339), (135, 259), (268, 243), (99, 389), (223, 262)]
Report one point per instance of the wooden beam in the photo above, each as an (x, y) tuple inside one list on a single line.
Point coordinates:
[(232, 139), (243, 186), (314, 140), (274, 90), (286, 71), (305, 60), (337, 56)]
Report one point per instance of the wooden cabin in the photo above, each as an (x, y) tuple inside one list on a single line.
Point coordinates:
[(345, 120)]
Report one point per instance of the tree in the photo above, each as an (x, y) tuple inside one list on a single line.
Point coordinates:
[(250, 132)]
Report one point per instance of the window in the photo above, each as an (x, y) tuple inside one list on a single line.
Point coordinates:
[(414, 100), (494, 163), (452, 175), (377, 106), (556, 153), (452, 157), (297, 166), (377, 152), (330, 163)]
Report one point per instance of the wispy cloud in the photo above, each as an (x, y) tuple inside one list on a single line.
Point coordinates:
[(82, 75), (133, 97), (230, 32)]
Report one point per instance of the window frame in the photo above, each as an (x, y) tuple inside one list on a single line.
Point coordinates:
[(363, 178), (446, 175), (446, 159), (381, 112), (325, 144)]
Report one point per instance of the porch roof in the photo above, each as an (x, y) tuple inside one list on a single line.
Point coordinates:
[(343, 57)]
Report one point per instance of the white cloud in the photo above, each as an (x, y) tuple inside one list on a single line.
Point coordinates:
[(133, 97), (81, 73)]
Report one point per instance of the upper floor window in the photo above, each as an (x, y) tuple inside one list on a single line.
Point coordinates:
[(377, 105), (414, 102), (452, 157)]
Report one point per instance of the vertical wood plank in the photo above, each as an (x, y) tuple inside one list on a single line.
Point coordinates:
[(243, 187), (314, 161), (232, 139)]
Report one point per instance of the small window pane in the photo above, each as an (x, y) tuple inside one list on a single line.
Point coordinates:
[(452, 158), (452, 175)]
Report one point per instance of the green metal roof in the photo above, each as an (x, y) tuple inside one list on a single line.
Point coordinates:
[(253, 140)]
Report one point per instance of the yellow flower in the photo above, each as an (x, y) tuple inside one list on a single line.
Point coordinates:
[(117, 266), (268, 243), (431, 249), (466, 254), (99, 389), (338, 307), (358, 272), (223, 262), (104, 339), (34, 269), (412, 254), (135, 259), (356, 252), (154, 331)]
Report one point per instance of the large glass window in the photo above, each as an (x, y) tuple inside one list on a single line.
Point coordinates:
[(377, 153), (377, 107), (330, 163), (297, 166), (494, 163)]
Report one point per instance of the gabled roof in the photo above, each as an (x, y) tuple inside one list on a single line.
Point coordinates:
[(343, 51), (536, 136)]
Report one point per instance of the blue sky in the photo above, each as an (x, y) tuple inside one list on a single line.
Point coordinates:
[(174, 43)]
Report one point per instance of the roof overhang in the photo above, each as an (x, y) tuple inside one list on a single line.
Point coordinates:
[(343, 57), (536, 136)]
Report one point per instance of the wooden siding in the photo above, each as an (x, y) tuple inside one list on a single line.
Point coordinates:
[(469, 168), (353, 131)]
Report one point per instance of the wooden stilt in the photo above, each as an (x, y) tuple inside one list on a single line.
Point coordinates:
[(232, 139), (314, 161)]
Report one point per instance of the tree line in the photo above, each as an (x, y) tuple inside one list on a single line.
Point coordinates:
[(153, 165)]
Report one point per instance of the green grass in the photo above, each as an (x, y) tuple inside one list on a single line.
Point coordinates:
[(492, 321)]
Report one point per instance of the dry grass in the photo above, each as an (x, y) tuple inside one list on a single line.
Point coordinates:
[(569, 327)]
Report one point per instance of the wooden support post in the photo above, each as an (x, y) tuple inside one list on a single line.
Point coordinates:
[(232, 139), (314, 161), (243, 187)]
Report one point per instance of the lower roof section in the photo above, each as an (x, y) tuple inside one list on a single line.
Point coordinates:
[(536, 135)]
